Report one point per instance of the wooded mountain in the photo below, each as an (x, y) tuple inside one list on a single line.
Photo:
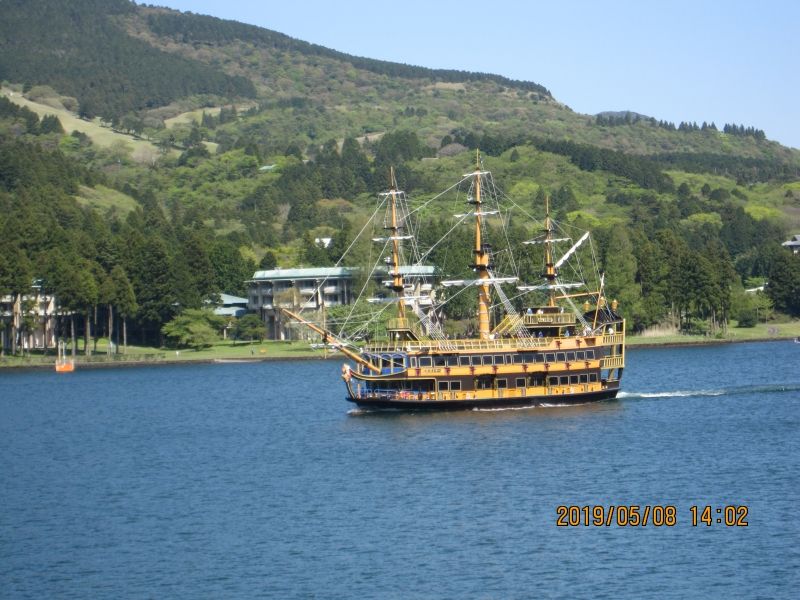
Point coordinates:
[(118, 58), (283, 141), (80, 49)]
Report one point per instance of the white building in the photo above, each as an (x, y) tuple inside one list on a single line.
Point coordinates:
[(313, 288), (793, 244), (29, 317)]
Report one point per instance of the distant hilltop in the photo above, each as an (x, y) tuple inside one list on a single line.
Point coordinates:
[(623, 114)]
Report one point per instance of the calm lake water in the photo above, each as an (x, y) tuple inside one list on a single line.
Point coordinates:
[(260, 480)]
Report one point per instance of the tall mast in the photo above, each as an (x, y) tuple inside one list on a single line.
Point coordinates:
[(397, 277), (398, 328), (481, 264), (549, 268)]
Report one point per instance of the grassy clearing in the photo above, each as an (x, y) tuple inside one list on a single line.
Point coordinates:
[(106, 200), (145, 355), (761, 332), (246, 351), (141, 150), (192, 116)]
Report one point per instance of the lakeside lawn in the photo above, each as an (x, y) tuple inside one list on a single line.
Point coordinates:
[(246, 350), (761, 332), (228, 350)]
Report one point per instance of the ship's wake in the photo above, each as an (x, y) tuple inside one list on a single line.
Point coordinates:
[(530, 406), (731, 391), (504, 408)]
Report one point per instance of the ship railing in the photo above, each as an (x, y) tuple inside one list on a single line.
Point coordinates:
[(457, 345), (612, 362), (610, 339)]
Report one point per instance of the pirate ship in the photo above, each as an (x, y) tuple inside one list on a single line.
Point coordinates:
[(553, 342)]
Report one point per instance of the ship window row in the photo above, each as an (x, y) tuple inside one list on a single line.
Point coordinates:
[(477, 360), (488, 382), (573, 379), (424, 385), (451, 386), (391, 362)]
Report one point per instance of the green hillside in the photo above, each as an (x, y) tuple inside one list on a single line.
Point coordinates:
[(308, 94), (258, 143), (118, 58)]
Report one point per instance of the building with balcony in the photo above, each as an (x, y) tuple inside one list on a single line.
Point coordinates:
[(311, 289), (27, 321)]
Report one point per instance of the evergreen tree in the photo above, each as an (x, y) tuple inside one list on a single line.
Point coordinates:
[(784, 282), (50, 124), (124, 300), (355, 162), (148, 265), (313, 253), (268, 261), (620, 269)]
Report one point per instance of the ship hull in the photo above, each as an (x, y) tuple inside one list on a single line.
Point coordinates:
[(516, 402)]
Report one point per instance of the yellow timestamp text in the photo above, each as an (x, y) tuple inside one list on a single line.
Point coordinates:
[(653, 515)]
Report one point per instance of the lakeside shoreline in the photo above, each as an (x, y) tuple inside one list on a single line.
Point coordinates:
[(308, 355), (166, 362), (710, 342)]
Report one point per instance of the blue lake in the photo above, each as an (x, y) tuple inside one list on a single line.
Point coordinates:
[(260, 480)]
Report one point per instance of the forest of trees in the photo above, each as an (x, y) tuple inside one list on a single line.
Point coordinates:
[(740, 168), (201, 28), (137, 273), (647, 171), (107, 71), (130, 274), (643, 171), (631, 118), (111, 73)]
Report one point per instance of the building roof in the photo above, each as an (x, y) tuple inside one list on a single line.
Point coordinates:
[(230, 311), (337, 272), (310, 273), (228, 300), (794, 242)]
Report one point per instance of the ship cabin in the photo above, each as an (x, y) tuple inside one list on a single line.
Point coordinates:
[(550, 322)]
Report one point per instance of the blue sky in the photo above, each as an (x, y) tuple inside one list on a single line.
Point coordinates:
[(727, 62)]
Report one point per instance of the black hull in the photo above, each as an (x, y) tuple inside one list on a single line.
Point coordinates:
[(372, 403)]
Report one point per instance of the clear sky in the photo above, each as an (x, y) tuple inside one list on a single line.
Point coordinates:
[(726, 61)]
